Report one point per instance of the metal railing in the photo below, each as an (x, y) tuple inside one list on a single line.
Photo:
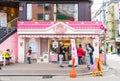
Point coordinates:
[(10, 29), (13, 23)]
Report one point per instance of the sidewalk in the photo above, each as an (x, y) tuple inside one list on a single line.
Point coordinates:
[(113, 61), (40, 69)]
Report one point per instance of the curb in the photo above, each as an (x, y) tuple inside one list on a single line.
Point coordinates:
[(82, 74)]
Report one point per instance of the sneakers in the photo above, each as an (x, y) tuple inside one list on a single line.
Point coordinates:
[(61, 66), (88, 68)]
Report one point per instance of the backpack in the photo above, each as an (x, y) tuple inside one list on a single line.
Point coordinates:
[(6, 55), (92, 48)]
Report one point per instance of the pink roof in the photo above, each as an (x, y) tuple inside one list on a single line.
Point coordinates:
[(75, 25)]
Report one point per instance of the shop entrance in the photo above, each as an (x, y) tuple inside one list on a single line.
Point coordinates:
[(54, 45)]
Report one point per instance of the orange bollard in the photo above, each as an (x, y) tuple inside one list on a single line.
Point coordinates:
[(73, 71)]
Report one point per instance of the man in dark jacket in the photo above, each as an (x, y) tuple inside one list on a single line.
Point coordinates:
[(62, 54), (91, 54)]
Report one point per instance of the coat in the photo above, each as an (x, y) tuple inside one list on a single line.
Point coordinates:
[(80, 52)]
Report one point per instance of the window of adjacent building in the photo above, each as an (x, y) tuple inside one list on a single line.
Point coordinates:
[(44, 17), (40, 17), (52, 12), (40, 5), (47, 7), (47, 17)]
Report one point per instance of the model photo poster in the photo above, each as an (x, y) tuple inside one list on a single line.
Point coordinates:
[(33, 45), (3, 19)]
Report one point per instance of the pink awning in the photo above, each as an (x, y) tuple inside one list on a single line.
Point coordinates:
[(57, 36)]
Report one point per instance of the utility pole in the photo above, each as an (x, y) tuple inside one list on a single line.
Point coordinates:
[(105, 48)]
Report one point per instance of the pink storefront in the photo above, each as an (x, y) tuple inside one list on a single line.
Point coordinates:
[(42, 36)]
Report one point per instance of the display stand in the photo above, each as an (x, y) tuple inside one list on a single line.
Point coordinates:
[(53, 57), (44, 58)]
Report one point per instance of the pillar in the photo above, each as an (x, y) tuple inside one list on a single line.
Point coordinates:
[(21, 50)]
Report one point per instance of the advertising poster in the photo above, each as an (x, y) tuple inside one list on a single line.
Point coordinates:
[(33, 45), (3, 19)]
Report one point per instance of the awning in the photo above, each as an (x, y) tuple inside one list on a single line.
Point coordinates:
[(57, 36)]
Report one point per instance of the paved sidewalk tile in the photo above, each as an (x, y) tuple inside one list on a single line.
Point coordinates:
[(42, 69)]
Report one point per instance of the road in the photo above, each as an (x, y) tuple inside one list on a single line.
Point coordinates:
[(111, 77), (112, 74)]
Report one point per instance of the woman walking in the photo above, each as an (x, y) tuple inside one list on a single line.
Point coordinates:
[(29, 55), (87, 55)]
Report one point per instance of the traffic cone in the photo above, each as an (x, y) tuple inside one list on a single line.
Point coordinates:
[(73, 71)]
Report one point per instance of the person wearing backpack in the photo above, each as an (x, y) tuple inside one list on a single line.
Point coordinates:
[(87, 50), (7, 56), (91, 53)]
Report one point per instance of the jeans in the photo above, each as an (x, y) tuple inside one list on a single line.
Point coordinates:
[(80, 60), (91, 59), (60, 59), (29, 60), (87, 58)]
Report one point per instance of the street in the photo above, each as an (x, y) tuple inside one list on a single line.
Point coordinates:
[(108, 77), (112, 74)]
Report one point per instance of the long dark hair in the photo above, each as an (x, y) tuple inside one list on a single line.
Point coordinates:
[(29, 51)]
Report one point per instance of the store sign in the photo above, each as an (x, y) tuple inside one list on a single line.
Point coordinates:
[(118, 39), (60, 29), (21, 8)]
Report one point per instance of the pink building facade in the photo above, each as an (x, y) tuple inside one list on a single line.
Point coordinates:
[(12, 44), (41, 35)]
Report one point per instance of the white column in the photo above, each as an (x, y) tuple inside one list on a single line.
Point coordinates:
[(21, 50)]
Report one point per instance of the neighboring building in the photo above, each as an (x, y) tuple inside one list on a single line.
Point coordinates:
[(70, 10), (109, 15)]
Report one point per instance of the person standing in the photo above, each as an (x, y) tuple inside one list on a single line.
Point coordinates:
[(91, 53), (62, 54), (29, 55), (118, 50), (87, 55), (7, 55), (80, 53)]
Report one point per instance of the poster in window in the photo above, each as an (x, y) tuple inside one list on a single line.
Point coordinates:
[(3, 19), (33, 45)]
